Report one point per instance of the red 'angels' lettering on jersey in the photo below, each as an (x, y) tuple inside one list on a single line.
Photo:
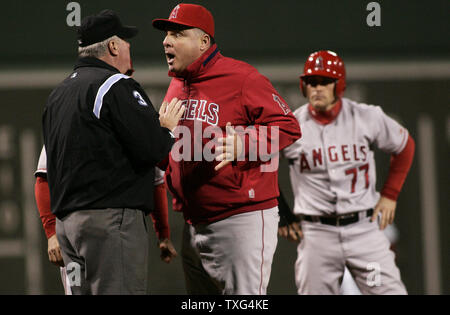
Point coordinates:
[(342, 153), (317, 156), (201, 110)]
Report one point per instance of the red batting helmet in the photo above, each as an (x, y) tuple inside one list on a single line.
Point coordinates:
[(326, 64)]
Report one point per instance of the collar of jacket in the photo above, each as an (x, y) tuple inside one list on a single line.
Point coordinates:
[(328, 116), (200, 65), (93, 62)]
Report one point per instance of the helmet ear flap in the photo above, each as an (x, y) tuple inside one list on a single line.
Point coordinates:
[(339, 87), (302, 87), (335, 93)]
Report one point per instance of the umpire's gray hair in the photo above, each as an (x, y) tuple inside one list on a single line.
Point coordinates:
[(96, 50)]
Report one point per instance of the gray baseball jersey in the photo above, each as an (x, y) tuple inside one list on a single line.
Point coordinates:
[(333, 170)]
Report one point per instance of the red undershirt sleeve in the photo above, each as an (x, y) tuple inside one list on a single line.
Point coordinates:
[(42, 195), (398, 170), (160, 216)]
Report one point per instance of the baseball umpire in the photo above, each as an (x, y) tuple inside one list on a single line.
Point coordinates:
[(103, 139), (332, 171), (159, 217)]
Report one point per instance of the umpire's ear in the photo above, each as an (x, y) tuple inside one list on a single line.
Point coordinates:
[(113, 47)]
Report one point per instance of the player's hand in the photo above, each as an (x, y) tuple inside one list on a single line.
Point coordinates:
[(170, 113), (230, 146), (386, 207), (168, 252), (292, 232), (54, 251)]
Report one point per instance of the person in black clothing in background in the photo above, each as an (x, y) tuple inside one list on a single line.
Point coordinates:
[(103, 140)]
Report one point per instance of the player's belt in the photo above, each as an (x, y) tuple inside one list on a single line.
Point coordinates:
[(339, 220)]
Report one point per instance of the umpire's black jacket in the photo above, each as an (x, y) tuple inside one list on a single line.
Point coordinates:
[(103, 139)]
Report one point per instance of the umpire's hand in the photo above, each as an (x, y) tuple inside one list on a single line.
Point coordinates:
[(168, 252), (54, 251), (170, 113)]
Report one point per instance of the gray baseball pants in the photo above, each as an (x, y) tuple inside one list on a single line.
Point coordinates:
[(105, 250), (230, 256), (325, 250)]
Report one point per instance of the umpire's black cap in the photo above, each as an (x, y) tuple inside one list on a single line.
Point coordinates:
[(96, 28)]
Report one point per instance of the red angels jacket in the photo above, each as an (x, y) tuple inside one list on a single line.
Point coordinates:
[(216, 90)]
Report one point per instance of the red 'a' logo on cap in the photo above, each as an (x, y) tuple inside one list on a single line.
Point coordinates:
[(319, 63), (173, 14)]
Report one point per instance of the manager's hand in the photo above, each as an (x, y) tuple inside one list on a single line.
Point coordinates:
[(292, 232), (229, 148)]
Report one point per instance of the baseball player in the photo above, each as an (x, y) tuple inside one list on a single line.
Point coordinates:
[(229, 204), (42, 195), (332, 171)]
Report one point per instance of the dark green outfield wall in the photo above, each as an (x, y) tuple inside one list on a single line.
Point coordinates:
[(36, 31)]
